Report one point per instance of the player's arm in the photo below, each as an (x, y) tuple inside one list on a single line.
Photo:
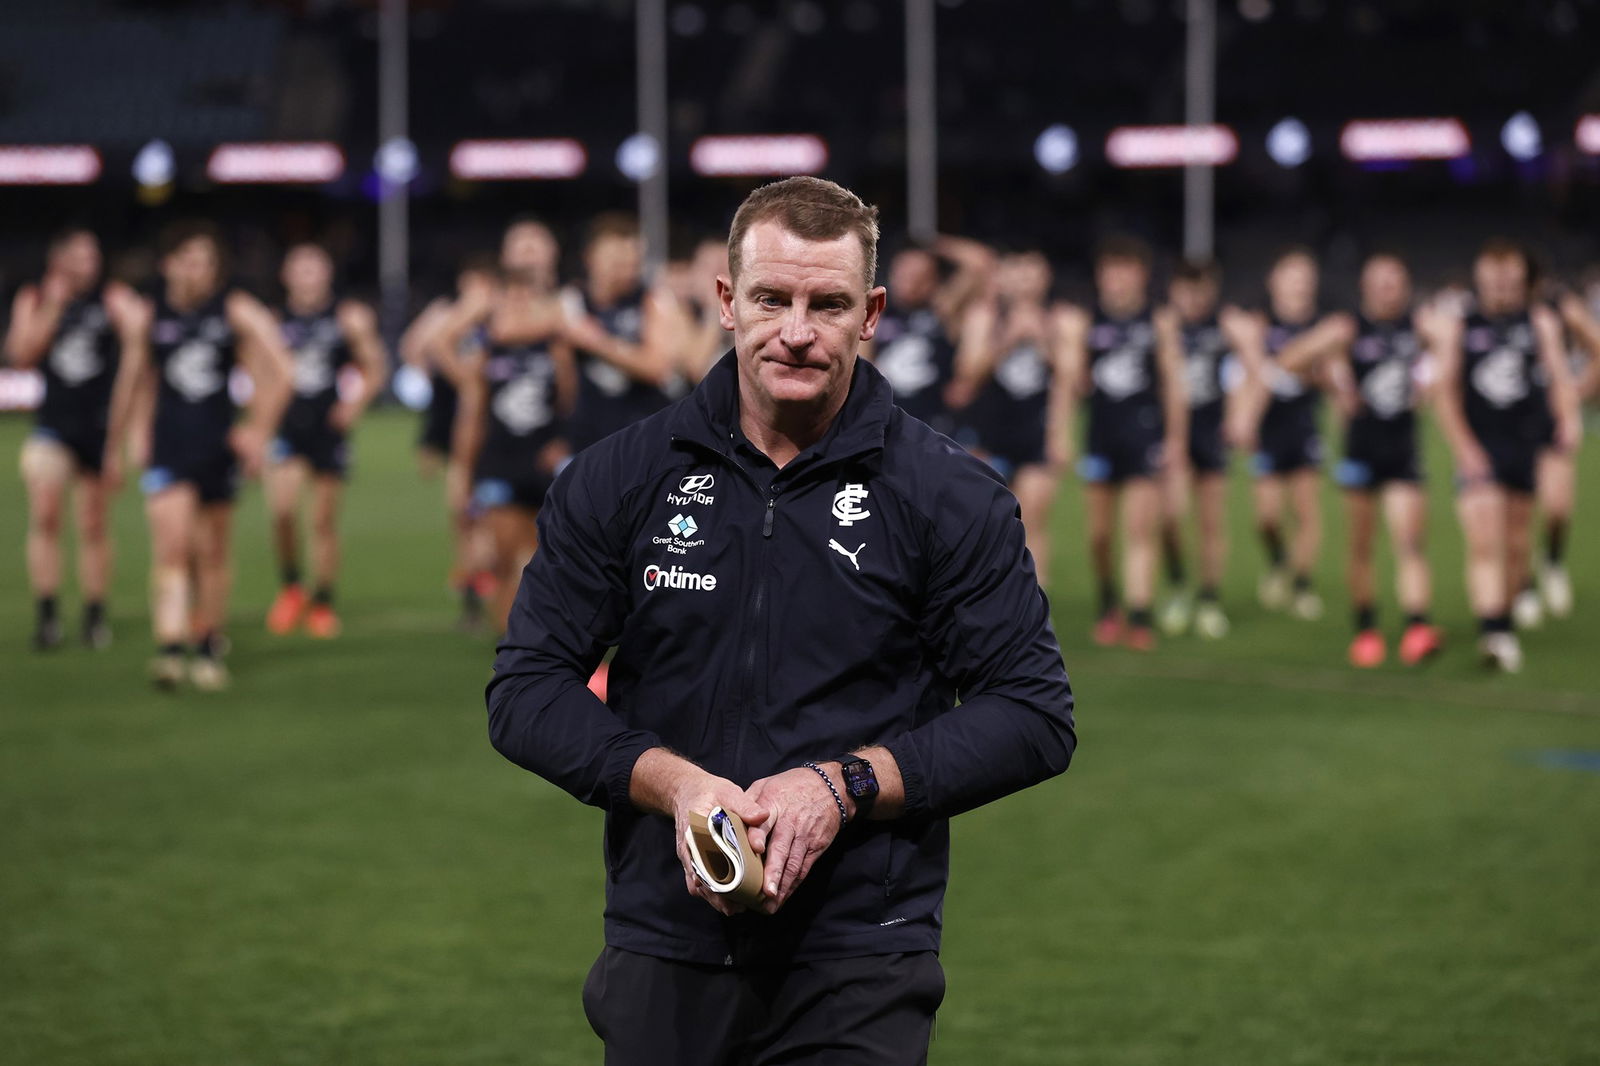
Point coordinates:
[(416, 341), (974, 264), (650, 361), (1063, 400), (1070, 325), (566, 361), (975, 355), (1586, 331), (1318, 345), (450, 340), (705, 343), (360, 328), (130, 317), (1472, 464), (35, 315), (271, 368), (1174, 387), (472, 408), (1563, 394), (1246, 333)]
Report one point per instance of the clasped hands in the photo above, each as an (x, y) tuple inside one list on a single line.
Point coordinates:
[(791, 818)]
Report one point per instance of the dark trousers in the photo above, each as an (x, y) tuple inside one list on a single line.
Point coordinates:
[(877, 1009)]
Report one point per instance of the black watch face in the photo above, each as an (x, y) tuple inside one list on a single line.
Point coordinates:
[(859, 778)]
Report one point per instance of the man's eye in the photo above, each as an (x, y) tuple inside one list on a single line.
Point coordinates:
[(768, 300)]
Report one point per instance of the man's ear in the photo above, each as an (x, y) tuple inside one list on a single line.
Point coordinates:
[(877, 300), (725, 301)]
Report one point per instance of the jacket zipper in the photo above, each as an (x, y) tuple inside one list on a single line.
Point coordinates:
[(754, 629)]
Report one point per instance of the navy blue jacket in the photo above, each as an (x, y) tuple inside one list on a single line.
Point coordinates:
[(882, 578)]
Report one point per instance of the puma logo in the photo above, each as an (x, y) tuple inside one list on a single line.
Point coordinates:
[(851, 555)]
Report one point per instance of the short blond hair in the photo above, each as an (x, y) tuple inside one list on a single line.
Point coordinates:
[(812, 208)]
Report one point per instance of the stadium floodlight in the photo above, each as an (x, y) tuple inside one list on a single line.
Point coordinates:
[(1171, 146), (1386, 140), (276, 163), (55, 164), (1521, 137), (396, 161), (513, 160), (1587, 134), (1056, 149), (155, 165), (1289, 143), (639, 157), (758, 155)]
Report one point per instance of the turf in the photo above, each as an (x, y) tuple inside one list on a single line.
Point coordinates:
[(1258, 856)]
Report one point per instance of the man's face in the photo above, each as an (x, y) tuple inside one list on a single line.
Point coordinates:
[(615, 260), (1501, 281), (799, 311), (1385, 287), (77, 259), (1292, 287), (528, 251), (307, 272), (192, 266), (913, 278), (1122, 281), (1194, 298)]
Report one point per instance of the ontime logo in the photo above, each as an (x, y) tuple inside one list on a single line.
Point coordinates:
[(659, 577)]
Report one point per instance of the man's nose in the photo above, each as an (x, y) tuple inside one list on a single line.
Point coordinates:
[(798, 331)]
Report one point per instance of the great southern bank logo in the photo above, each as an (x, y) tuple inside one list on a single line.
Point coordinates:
[(684, 526), (659, 577), (696, 488)]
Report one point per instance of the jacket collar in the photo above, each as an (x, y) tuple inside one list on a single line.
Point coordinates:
[(709, 415)]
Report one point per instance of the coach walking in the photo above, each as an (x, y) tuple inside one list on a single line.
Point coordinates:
[(800, 582)]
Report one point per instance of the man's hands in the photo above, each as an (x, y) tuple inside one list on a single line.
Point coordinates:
[(694, 796), (805, 820)]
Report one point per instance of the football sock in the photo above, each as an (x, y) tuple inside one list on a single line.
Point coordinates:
[(1272, 540), (1108, 598)]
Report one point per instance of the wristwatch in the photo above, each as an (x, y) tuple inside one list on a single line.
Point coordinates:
[(860, 782)]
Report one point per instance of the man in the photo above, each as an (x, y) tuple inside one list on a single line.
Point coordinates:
[(1503, 381), (516, 391), (200, 330), (915, 344), (800, 580), (324, 335), (625, 335), (1011, 356), (74, 333), (1381, 350), (1277, 418), (1126, 359), (1208, 337)]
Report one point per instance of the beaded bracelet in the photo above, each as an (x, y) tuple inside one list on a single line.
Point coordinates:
[(837, 799)]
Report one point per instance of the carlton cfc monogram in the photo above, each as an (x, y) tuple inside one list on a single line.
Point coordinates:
[(847, 504)]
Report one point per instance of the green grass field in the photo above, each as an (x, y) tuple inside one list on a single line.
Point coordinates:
[(1258, 857)]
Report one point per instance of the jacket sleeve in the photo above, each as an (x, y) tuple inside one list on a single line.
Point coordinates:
[(568, 610), (987, 624)]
